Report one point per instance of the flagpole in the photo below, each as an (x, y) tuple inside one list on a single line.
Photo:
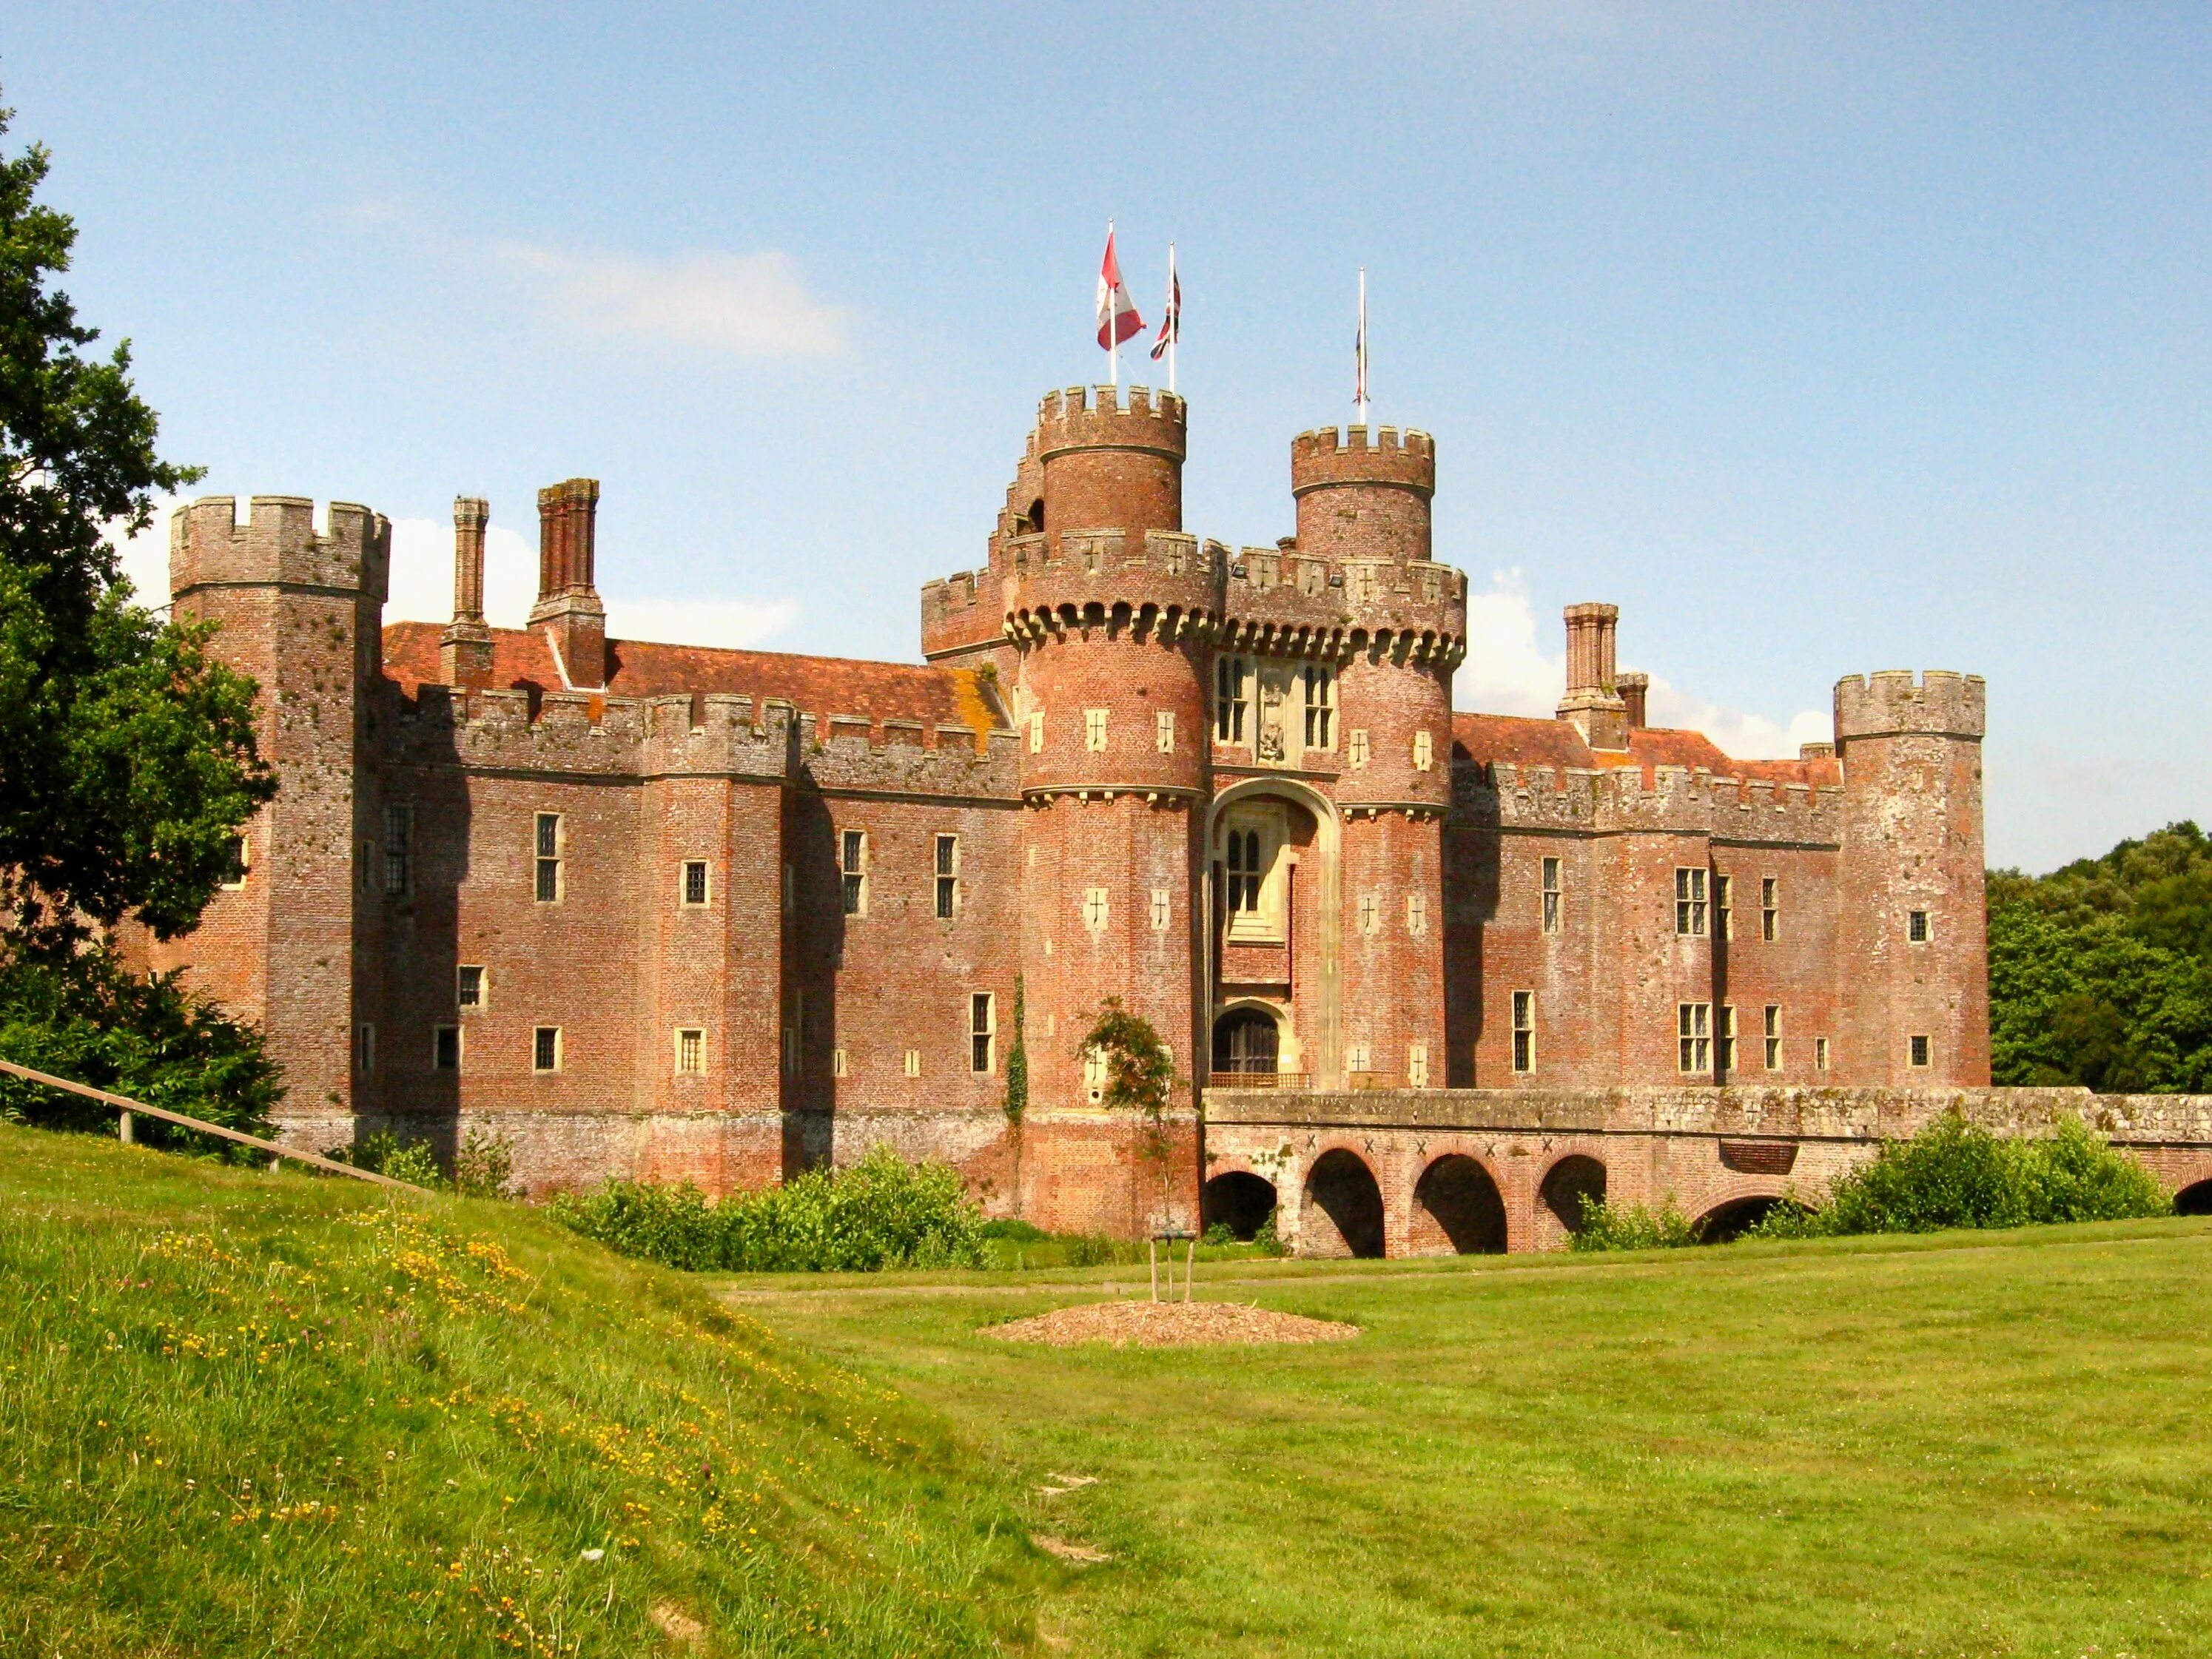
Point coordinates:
[(1113, 320), (1175, 319), (1362, 365)]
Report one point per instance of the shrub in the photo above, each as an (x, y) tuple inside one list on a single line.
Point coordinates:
[(1632, 1227), (482, 1168), (1269, 1241), (82, 1015), (881, 1212), (1012, 1230), (1219, 1233), (1954, 1174)]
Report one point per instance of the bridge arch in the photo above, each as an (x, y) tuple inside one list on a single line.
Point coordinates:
[(1567, 1183), (2195, 1198), (1457, 1209), (1341, 1214), (1239, 1200), (1726, 1213)]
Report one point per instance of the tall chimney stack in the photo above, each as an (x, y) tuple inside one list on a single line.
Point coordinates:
[(569, 607), (1593, 705), (464, 648), (1632, 688)]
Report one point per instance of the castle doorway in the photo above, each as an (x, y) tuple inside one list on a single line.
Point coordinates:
[(1245, 1041), (1457, 1209), (1343, 1208)]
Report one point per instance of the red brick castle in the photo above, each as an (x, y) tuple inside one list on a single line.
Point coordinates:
[(681, 913)]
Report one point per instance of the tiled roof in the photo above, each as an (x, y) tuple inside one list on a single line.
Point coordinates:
[(1521, 742), (821, 686)]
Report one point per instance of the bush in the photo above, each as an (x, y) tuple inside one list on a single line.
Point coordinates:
[(1012, 1230), (1632, 1227), (82, 1015), (1269, 1241), (482, 1168), (881, 1212), (1219, 1233), (1953, 1174)]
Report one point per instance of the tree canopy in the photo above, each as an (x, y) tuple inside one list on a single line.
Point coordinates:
[(2100, 973), (127, 756)]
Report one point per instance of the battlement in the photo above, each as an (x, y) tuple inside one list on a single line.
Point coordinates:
[(1401, 459), (1895, 703), (1673, 799), (1106, 417), (279, 545), (1278, 598)]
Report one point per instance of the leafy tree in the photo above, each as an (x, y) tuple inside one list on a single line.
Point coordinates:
[(2100, 973), (1139, 1076), (127, 756)]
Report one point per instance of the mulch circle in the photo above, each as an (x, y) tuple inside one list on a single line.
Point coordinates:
[(1169, 1325)]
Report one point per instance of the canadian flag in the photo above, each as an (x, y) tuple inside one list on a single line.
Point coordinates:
[(1117, 311)]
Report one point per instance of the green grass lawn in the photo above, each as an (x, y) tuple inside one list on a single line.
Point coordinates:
[(246, 1413), (1959, 1444)]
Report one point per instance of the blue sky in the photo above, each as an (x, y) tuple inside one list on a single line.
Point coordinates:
[(1819, 339)]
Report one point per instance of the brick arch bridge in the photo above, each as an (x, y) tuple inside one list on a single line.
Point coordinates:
[(1399, 1172)]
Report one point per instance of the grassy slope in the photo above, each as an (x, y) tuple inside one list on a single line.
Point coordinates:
[(245, 1413), (1958, 1445)]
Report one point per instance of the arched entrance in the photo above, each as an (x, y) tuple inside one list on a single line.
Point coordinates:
[(1569, 1182), (1343, 1208), (1238, 1200), (1730, 1220), (2194, 1201), (1457, 1209), (1244, 1042)]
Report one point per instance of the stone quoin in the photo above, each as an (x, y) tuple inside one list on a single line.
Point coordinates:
[(675, 913)]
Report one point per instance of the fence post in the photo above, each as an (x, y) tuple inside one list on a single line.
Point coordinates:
[(127, 1132)]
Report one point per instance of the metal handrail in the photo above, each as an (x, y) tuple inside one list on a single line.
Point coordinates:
[(124, 1104)]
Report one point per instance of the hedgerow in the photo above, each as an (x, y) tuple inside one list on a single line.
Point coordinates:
[(880, 1213)]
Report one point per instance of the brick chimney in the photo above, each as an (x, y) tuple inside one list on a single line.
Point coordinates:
[(1593, 705), (464, 648), (1632, 688), (568, 608)]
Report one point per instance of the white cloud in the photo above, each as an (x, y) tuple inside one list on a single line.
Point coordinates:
[(422, 590), (735, 623), (752, 305), (1747, 737), (422, 574), (1507, 671)]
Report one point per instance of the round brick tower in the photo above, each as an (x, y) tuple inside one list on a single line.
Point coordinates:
[(1112, 623), (1363, 504), (1912, 940)]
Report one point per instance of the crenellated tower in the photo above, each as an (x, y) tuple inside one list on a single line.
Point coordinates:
[(291, 946), (1363, 508), (1913, 929), (1109, 605)]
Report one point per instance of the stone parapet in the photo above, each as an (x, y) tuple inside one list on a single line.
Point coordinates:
[(1854, 1114)]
